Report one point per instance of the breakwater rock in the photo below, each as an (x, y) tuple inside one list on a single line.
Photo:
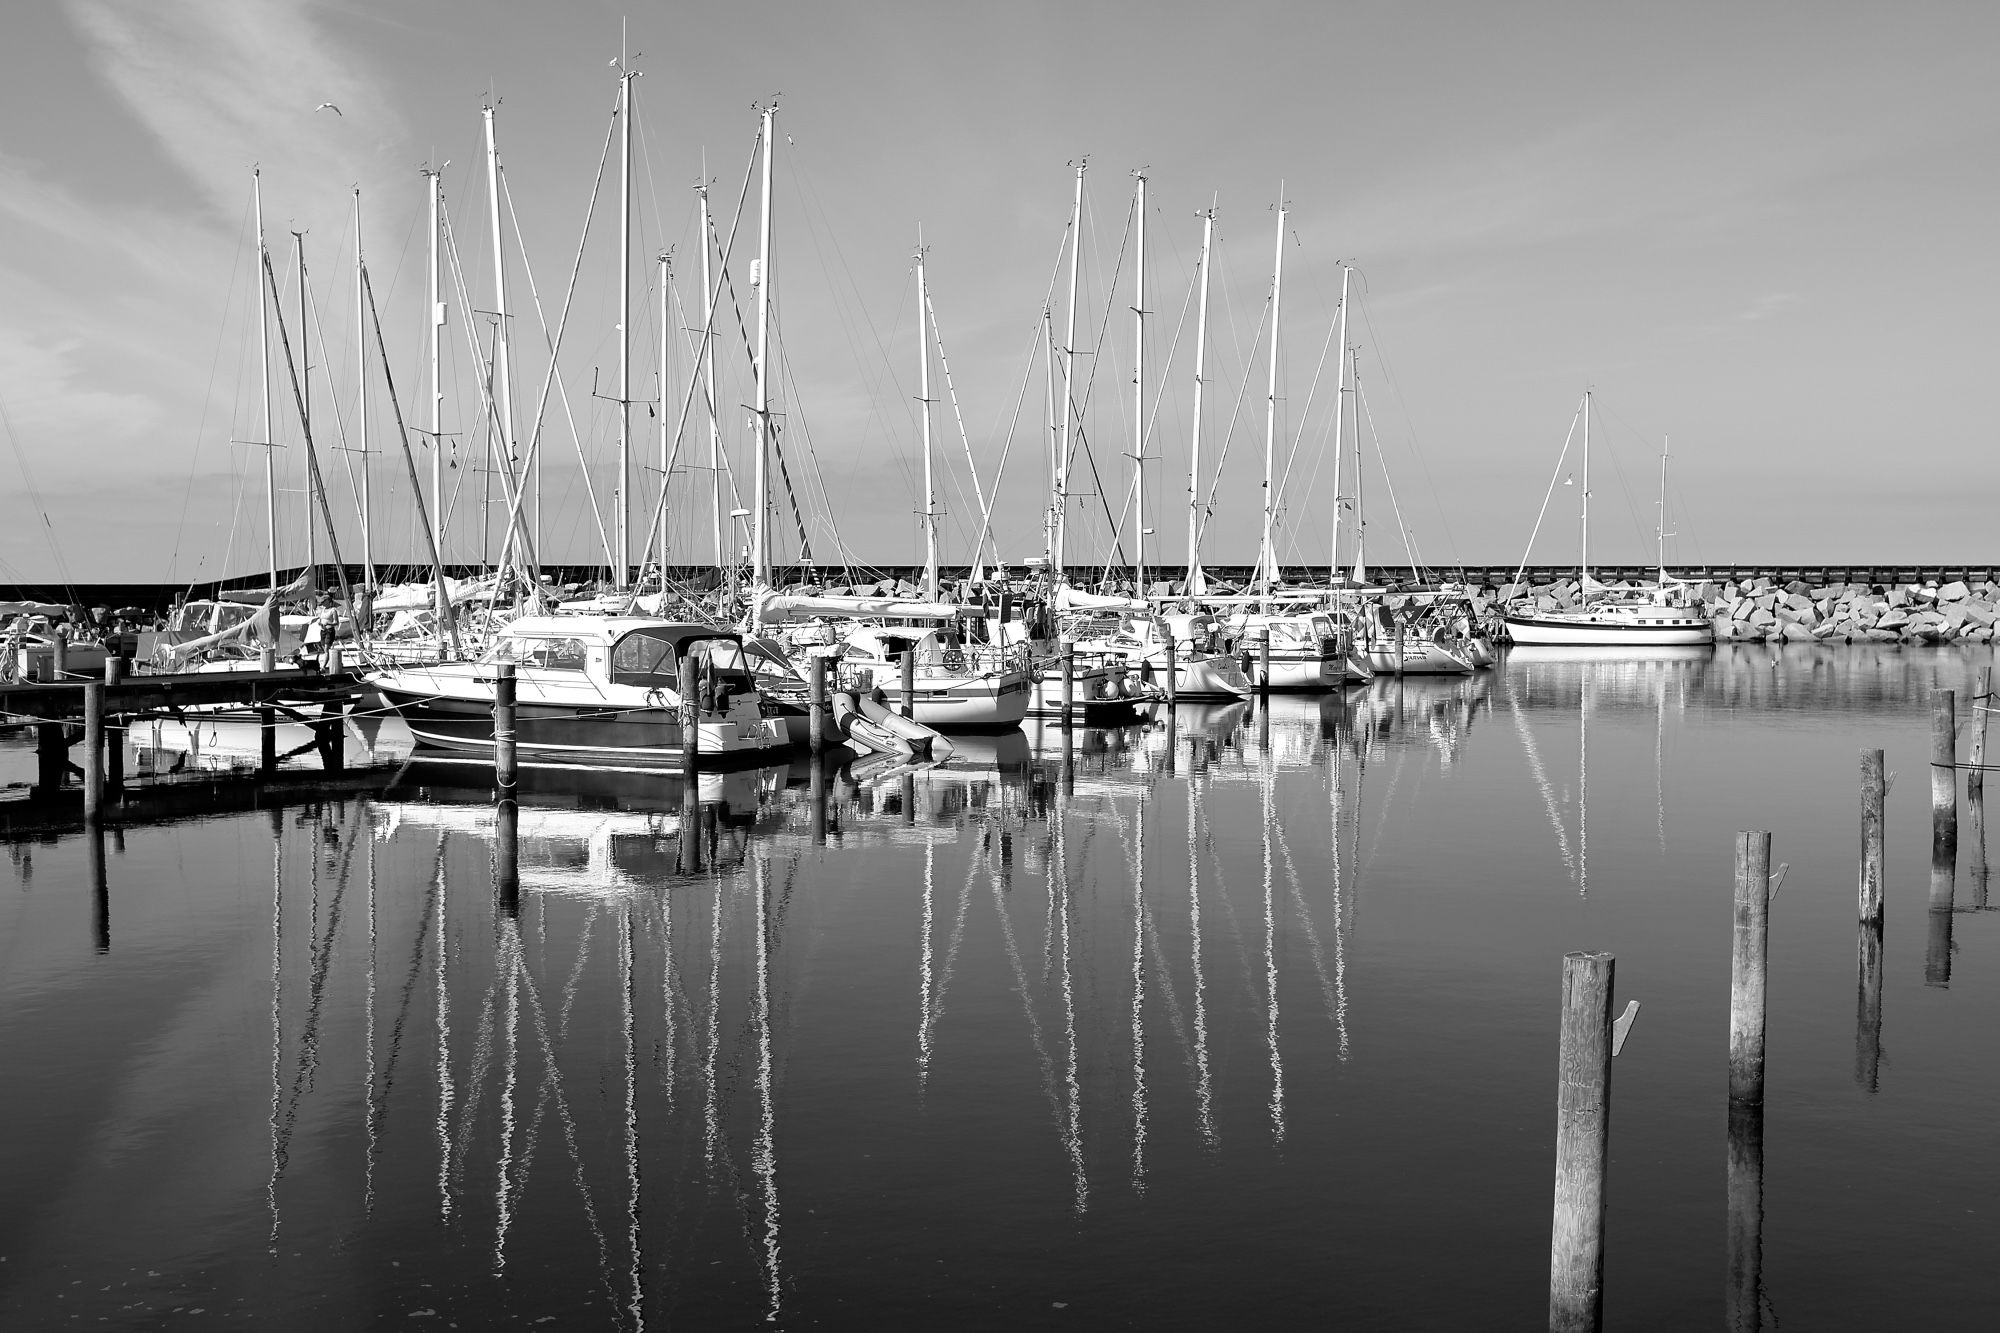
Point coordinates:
[(1763, 609)]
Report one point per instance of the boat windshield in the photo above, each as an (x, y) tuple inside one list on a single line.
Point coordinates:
[(548, 653), (648, 658)]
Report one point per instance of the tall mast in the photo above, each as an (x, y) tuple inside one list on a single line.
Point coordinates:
[(1069, 373), (760, 556), (1267, 555), (264, 362), (1339, 415), (305, 416), (924, 407), (1055, 439), (1139, 390), (1360, 519), (1583, 582), (1666, 445), (667, 285), (361, 400), (708, 370), (623, 518), (504, 449), (434, 204), (1197, 585)]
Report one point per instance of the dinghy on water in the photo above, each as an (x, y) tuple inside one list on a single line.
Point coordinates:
[(869, 724)]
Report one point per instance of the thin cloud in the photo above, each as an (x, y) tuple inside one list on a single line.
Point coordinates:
[(1766, 306)]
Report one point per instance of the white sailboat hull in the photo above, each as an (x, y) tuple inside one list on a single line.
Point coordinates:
[(1611, 628)]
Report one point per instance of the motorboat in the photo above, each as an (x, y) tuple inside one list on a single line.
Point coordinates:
[(596, 690)]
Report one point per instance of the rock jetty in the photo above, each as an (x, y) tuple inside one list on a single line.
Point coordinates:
[(1764, 610)]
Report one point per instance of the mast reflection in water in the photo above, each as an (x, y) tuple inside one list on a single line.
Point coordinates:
[(1176, 1025)]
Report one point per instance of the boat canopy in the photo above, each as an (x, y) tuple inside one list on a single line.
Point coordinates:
[(1072, 599), (775, 608)]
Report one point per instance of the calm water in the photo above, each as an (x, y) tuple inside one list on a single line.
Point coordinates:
[(1247, 1023)]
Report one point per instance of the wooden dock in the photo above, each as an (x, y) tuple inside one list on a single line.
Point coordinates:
[(103, 707)]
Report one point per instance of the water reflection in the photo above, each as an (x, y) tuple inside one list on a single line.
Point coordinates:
[(665, 1046)]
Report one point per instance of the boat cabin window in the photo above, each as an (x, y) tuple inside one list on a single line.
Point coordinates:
[(719, 656), (551, 654), (646, 659)]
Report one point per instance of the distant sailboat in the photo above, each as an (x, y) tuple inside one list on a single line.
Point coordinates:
[(1609, 621)]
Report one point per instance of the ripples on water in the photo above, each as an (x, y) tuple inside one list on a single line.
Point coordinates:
[(1250, 1021)]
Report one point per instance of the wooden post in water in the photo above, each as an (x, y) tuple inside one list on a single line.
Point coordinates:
[(1868, 1004), (1746, 967), (1396, 629), (1264, 664), (59, 655), (1743, 1298), (267, 741), (1944, 837), (909, 682), (1944, 777), (51, 758), (267, 659), (114, 669), (1172, 670), (333, 737), (506, 767), (909, 798), (1583, 1140), (1975, 786), (93, 751), (690, 718), (816, 705), (1068, 683), (1873, 860)]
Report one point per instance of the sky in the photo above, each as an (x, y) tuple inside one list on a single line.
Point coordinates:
[(1760, 232)]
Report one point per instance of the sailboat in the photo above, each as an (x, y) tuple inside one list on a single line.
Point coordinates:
[(1605, 621)]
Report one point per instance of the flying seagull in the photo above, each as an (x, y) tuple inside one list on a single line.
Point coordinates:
[(328, 106)]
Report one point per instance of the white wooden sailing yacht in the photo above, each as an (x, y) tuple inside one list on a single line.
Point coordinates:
[(1609, 621)]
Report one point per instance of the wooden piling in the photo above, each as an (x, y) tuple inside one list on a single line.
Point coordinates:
[(1743, 1296), (1264, 664), (333, 738), (93, 751), (1396, 630), (1873, 858), (59, 654), (1975, 788), (1172, 668), (690, 717), (506, 766), (51, 757), (1944, 776), (909, 798), (267, 741), (267, 659), (1868, 1004), (1068, 683), (1583, 1140), (816, 704), (1747, 966), (114, 669), (909, 682)]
